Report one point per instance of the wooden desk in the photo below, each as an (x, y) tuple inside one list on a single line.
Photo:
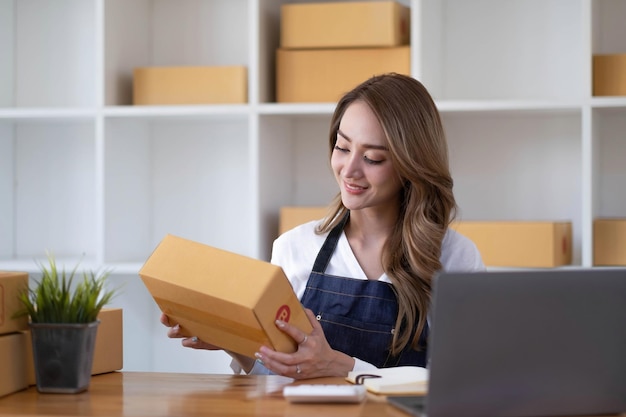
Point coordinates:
[(188, 395)]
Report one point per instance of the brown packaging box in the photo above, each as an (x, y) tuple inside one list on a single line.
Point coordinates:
[(507, 244), (609, 75), (344, 25), (609, 242), (324, 75), (108, 355), (223, 298), (12, 363), (291, 217), (11, 284), (520, 243), (190, 85)]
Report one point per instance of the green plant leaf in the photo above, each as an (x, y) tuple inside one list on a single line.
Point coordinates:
[(57, 298)]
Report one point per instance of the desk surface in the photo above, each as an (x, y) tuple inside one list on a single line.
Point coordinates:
[(189, 395), (167, 394)]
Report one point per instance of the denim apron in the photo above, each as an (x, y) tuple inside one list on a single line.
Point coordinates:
[(358, 316)]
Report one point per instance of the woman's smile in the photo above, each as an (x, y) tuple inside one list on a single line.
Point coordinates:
[(354, 188)]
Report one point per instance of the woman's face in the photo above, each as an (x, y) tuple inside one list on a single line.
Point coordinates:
[(361, 162)]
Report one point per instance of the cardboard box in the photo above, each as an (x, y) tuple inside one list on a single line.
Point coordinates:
[(609, 75), (520, 243), (609, 242), (344, 25), (225, 299), (291, 217), (108, 355), (190, 85), (12, 363), (324, 75), (11, 285)]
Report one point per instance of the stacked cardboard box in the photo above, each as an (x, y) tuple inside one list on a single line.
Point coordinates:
[(504, 244), (609, 75), (291, 217), (609, 242), (190, 85), (108, 350), (16, 354), (520, 244), (13, 342), (328, 48)]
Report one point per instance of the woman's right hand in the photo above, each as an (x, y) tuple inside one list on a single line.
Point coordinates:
[(193, 342)]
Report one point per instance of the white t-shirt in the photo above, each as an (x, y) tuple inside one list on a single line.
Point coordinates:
[(296, 250)]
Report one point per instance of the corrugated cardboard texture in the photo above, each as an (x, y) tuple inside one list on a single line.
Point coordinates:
[(520, 244), (609, 242), (12, 363), (344, 25), (226, 299), (291, 217), (609, 75), (11, 284), (190, 85), (324, 75), (108, 354)]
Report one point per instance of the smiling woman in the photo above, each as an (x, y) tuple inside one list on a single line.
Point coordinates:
[(364, 272)]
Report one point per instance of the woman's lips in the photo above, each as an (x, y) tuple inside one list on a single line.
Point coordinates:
[(353, 188)]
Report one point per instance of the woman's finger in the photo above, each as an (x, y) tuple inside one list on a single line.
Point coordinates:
[(174, 332), (165, 320), (281, 363), (195, 343)]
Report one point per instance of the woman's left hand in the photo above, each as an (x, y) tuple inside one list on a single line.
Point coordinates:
[(314, 357)]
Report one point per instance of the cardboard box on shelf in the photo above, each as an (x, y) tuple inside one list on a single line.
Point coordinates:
[(226, 299), (11, 284), (293, 216), (609, 75), (190, 85), (344, 25), (12, 363), (530, 244), (609, 242), (108, 354), (324, 75)]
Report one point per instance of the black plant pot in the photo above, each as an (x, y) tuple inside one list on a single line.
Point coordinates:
[(63, 356)]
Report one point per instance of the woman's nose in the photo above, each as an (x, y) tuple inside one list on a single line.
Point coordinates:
[(352, 168)]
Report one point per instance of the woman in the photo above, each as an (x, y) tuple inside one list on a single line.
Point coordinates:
[(364, 273)]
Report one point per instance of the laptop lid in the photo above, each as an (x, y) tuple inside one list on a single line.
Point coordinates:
[(528, 343)]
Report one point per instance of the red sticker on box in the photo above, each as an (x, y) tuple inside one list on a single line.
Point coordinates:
[(283, 313)]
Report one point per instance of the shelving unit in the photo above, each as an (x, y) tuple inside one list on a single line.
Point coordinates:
[(90, 177)]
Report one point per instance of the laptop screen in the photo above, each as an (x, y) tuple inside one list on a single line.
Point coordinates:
[(528, 343)]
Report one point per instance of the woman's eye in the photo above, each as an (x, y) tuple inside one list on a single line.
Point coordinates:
[(340, 149), (372, 161)]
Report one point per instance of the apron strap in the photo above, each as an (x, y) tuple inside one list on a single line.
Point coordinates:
[(326, 252)]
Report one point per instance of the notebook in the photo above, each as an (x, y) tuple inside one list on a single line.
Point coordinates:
[(395, 380), (526, 343)]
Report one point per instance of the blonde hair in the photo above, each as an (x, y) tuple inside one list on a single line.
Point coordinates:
[(419, 154)]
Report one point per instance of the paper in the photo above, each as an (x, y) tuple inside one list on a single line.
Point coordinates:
[(397, 380)]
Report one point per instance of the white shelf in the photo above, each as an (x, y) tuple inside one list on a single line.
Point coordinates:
[(90, 177)]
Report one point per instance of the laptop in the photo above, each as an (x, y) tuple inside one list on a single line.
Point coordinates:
[(526, 343)]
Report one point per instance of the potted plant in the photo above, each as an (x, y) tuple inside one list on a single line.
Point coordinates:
[(63, 323)]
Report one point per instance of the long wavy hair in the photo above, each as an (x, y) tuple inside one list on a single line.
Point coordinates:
[(419, 154)]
